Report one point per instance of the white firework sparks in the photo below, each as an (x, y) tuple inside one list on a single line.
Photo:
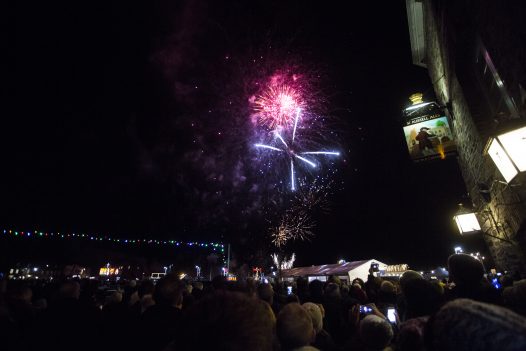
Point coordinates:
[(294, 226), (292, 152), (284, 264)]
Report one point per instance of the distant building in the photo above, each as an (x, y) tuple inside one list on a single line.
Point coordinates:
[(475, 53)]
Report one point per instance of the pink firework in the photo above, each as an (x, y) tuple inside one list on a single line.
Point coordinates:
[(277, 106)]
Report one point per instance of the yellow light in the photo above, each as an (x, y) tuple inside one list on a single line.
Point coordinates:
[(416, 98), (440, 149)]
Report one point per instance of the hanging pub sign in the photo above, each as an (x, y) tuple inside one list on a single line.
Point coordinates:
[(427, 131)]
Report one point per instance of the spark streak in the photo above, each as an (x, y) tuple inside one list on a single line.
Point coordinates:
[(281, 138), (296, 123), (267, 147), (305, 160), (321, 153), (293, 187)]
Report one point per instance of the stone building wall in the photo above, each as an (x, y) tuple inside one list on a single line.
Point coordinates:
[(504, 217)]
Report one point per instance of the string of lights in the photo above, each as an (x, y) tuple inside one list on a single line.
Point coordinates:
[(92, 237)]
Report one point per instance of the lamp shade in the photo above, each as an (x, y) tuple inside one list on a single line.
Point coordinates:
[(467, 223), (508, 152)]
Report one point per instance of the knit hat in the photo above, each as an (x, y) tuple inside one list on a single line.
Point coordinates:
[(315, 314), (465, 324)]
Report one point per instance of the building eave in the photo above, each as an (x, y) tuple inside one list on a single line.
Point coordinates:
[(415, 21)]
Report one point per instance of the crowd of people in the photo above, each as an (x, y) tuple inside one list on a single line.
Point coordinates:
[(464, 313)]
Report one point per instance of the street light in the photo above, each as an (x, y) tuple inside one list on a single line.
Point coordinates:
[(507, 150)]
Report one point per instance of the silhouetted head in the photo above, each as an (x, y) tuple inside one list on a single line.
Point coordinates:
[(219, 283), (266, 293), (423, 298), (169, 291), (408, 276), (69, 290), (227, 321), (316, 289), (332, 290), (465, 269), (145, 288)]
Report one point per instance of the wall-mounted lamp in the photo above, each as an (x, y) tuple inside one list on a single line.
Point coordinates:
[(508, 151), (468, 223)]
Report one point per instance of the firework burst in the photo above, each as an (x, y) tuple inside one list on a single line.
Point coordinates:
[(313, 197), (280, 235), (277, 106), (292, 150), (293, 226)]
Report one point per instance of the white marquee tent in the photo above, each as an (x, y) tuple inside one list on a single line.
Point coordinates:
[(345, 271)]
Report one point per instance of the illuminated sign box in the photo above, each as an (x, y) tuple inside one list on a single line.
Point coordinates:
[(428, 135)]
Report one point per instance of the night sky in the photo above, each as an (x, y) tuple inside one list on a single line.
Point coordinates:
[(134, 120)]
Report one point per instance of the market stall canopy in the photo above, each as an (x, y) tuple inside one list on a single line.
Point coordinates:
[(354, 269)]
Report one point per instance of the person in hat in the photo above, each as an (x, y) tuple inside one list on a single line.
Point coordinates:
[(424, 142)]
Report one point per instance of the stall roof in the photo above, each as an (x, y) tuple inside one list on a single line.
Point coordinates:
[(326, 269)]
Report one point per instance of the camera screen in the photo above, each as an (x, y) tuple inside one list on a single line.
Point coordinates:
[(391, 315), (365, 309)]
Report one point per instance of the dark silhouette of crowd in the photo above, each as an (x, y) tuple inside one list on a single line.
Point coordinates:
[(464, 313)]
